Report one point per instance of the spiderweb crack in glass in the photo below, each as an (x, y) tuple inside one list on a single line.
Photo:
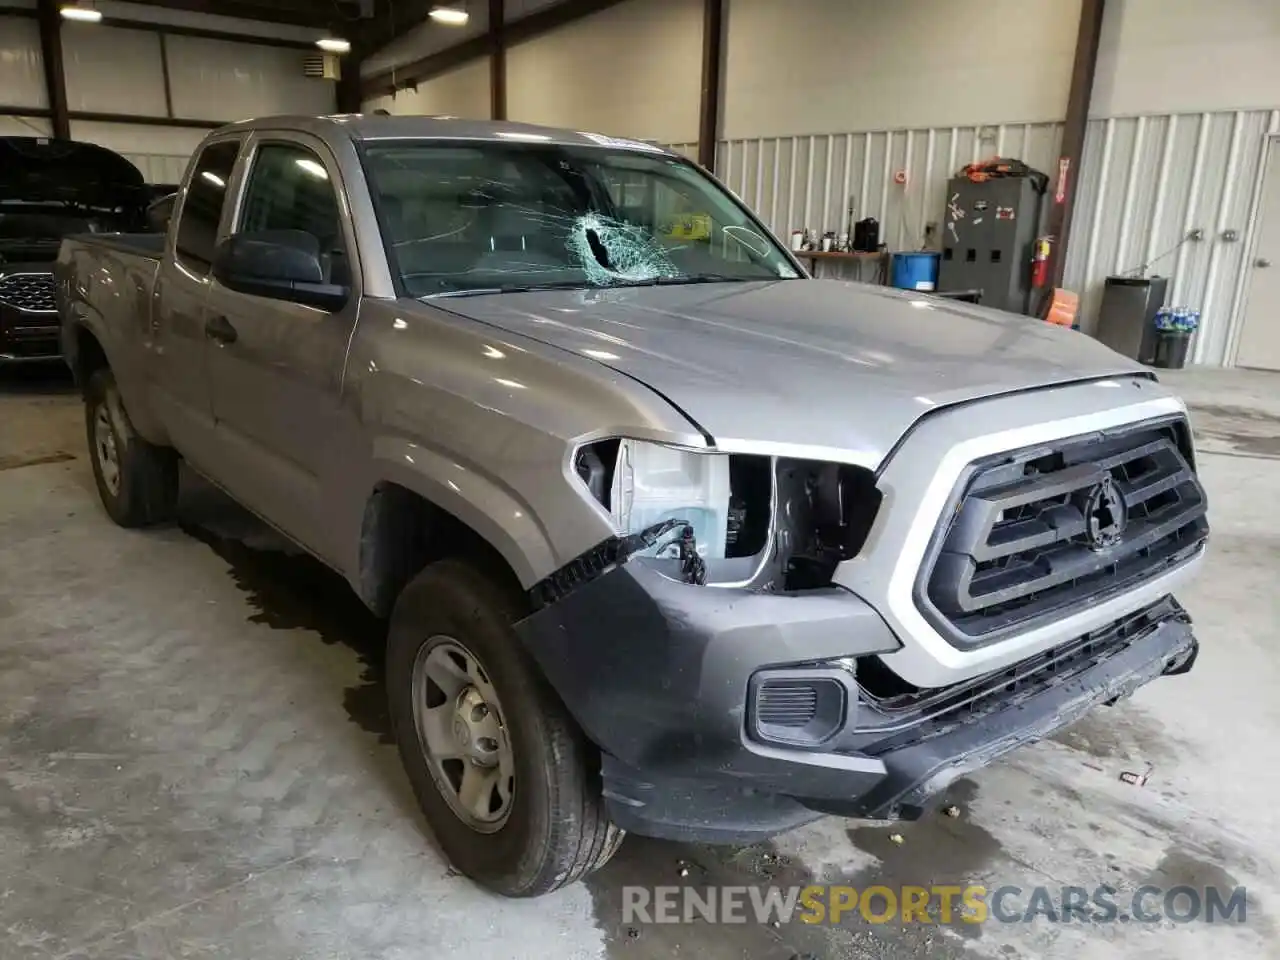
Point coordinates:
[(633, 254)]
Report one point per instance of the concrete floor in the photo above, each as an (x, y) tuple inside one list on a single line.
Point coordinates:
[(196, 762)]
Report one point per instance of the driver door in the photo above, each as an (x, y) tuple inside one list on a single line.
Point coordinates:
[(276, 367)]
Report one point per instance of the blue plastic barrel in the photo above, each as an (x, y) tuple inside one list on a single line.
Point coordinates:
[(915, 271)]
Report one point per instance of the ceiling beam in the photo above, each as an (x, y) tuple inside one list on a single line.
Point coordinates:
[(518, 31), (201, 33), (320, 14), (55, 78)]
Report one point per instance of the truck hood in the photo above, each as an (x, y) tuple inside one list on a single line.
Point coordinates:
[(815, 368)]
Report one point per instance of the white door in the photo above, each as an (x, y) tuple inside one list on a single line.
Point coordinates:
[(1260, 335)]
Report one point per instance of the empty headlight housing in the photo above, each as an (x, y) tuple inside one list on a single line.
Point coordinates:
[(644, 483)]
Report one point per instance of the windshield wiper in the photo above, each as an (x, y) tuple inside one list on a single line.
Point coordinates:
[(583, 285), (511, 288), (679, 281)]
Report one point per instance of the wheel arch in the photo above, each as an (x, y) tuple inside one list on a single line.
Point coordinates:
[(414, 516)]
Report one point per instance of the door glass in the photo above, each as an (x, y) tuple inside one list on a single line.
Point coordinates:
[(202, 209), (289, 190)]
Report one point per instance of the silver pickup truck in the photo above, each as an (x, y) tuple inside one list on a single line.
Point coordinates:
[(672, 538)]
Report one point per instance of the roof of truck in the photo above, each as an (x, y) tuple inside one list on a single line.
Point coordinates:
[(361, 126)]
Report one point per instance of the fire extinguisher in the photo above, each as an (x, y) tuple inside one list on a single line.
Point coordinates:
[(1040, 262)]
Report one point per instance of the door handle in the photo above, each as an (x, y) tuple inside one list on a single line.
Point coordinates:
[(219, 328), (1262, 262)]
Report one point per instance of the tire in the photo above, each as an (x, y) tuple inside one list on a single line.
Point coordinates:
[(556, 828), (137, 481)]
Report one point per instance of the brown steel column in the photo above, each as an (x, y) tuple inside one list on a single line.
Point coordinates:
[(1064, 179), (55, 78), (347, 90), (497, 61), (712, 64)]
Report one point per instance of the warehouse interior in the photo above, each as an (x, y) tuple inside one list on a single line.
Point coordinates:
[(197, 757)]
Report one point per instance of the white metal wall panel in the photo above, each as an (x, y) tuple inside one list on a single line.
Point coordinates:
[(631, 70), (809, 66), (139, 138), (1157, 56), (24, 127), (158, 168), (21, 68), (463, 92), (110, 70), (221, 80), (1146, 182)]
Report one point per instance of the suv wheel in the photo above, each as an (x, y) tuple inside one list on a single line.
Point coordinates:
[(137, 481), (508, 783)]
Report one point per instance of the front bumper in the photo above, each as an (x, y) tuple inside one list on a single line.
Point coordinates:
[(27, 336), (659, 675)]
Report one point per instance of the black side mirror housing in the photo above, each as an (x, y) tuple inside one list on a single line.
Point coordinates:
[(279, 264)]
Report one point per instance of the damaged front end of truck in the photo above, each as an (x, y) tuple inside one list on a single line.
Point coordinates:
[(737, 689)]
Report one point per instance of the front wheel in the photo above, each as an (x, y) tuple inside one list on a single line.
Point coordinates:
[(508, 783), (137, 481)]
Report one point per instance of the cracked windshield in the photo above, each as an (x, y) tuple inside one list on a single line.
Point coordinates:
[(461, 219)]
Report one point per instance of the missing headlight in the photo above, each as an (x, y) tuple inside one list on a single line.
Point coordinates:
[(824, 514), (768, 523)]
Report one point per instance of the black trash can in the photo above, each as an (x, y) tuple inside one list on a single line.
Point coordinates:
[(1171, 349)]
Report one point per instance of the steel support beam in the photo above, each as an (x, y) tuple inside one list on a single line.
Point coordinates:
[(347, 91), (497, 60), (55, 78), (1079, 95), (712, 72), (518, 31)]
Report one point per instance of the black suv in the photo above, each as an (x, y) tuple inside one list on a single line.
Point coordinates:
[(50, 189)]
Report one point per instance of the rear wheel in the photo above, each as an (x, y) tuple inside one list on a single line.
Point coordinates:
[(137, 481), (508, 783)]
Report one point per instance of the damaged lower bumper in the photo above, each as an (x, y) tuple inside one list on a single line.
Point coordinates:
[(727, 715)]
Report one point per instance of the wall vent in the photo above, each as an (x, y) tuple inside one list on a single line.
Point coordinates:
[(322, 66)]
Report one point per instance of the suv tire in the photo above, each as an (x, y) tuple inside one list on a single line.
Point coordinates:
[(551, 828), (137, 480)]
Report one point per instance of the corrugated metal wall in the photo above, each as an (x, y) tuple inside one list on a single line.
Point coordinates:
[(798, 182), (1146, 183)]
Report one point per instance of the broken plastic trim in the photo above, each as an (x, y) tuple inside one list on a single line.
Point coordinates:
[(614, 552)]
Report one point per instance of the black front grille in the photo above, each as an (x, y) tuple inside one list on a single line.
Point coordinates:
[(1038, 532), (28, 292)]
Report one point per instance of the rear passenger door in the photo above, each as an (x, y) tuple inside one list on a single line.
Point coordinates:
[(277, 383), (178, 310)]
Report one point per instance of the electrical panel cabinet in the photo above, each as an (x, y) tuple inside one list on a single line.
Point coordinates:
[(988, 239)]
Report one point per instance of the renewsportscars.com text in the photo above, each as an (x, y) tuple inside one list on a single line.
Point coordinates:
[(834, 904)]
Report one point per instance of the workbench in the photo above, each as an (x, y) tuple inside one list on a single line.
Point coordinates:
[(856, 259)]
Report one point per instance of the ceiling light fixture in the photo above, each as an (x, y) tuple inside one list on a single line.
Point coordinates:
[(81, 13), (450, 14), (334, 45)]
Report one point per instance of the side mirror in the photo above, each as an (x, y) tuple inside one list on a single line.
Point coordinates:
[(160, 212), (280, 264)]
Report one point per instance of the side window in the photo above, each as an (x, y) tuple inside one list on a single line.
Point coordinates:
[(202, 210), (289, 189)]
